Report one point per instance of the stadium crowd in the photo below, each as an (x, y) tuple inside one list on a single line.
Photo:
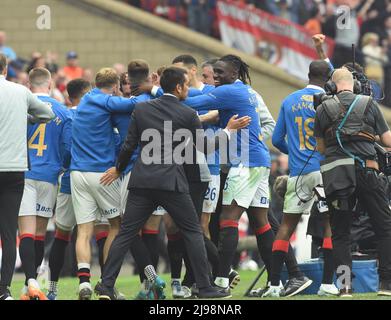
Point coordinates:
[(370, 29)]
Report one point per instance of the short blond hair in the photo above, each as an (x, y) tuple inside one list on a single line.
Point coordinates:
[(106, 78), (368, 37), (39, 77)]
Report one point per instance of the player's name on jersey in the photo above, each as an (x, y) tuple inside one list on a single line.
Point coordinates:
[(303, 105)]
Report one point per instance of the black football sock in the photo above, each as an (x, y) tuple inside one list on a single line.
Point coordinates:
[(279, 251), (175, 249), (57, 255), (150, 238), (83, 272), (39, 245), (229, 236), (27, 255), (265, 238)]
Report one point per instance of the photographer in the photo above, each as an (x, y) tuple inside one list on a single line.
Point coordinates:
[(345, 128)]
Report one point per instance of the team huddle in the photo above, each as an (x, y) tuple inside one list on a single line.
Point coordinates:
[(85, 165)]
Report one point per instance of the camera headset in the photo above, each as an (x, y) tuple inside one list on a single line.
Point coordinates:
[(331, 88)]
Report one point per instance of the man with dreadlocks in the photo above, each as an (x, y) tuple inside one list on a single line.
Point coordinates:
[(247, 187)]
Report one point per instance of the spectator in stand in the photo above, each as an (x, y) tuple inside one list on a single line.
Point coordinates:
[(37, 61), (385, 30), (119, 68), (89, 75), (314, 24), (198, 15), (51, 62), (7, 51), (72, 69), (346, 35), (375, 57), (161, 9)]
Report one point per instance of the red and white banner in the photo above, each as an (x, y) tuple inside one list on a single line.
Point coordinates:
[(277, 40)]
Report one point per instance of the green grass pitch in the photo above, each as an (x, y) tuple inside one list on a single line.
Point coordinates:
[(129, 286)]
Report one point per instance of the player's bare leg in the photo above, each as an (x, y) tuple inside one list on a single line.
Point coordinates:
[(101, 232), (85, 232)]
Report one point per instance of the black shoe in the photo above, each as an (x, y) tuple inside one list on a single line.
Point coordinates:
[(6, 295), (384, 288), (234, 279), (104, 293), (214, 293), (296, 285)]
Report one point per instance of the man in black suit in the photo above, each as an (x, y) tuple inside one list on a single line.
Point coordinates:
[(159, 178)]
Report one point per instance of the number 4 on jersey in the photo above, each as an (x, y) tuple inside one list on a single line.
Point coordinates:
[(40, 146)]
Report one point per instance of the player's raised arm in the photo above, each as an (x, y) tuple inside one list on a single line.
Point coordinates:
[(120, 104)]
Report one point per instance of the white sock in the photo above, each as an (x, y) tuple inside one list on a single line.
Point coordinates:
[(83, 265), (222, 282), (33, 283)]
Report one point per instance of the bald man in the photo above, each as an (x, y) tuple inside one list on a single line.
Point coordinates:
[(346, 128)]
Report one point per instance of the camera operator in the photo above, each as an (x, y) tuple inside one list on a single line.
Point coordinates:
[(345, 128)]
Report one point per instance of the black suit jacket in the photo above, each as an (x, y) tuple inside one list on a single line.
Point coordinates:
[(155, 167)]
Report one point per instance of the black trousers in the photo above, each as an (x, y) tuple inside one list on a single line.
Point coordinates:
[(197, 193), (139, 206), (372, 192), (11, 192)]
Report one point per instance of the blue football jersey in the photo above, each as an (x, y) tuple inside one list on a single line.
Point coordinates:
[(121, 122), (49, 144), (296, 123), (237, 98), (93, 141), (213, 160)]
